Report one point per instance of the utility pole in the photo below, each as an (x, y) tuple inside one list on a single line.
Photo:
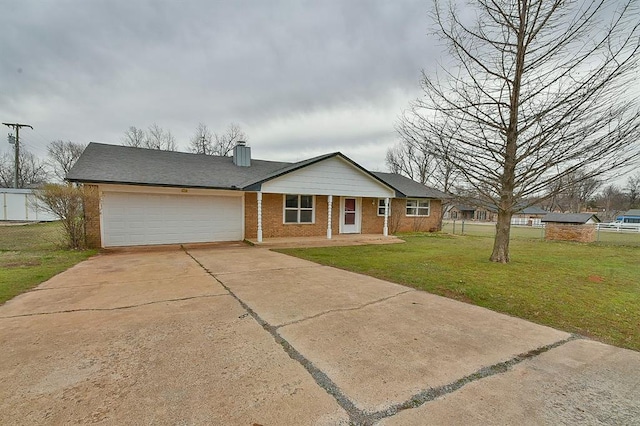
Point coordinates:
[(17, 127)]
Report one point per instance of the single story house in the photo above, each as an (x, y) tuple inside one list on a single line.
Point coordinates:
[(489, 213), (160, 197), (631, 216)]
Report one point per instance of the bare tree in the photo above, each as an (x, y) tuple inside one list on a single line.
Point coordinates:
[(62, 156), (134, 137), (158, 138), (67, 203), (32, 171), (612, 201), (535, 90), (202, 141), (224, 143), (154, 138), (572, 193), (632, 190)]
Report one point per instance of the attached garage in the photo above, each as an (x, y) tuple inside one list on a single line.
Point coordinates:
[(137, 218)]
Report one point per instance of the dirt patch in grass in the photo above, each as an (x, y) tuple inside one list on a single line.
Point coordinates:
[(595, 278), (20, 264)]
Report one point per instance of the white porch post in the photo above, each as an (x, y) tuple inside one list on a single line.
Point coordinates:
[(329, 208), (259, 217), (385, 230)]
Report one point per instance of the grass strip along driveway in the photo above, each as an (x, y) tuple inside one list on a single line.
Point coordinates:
[(589, 289), (31, 254)]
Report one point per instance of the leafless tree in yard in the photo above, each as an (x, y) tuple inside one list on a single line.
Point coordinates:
[(134, 137), (632, 188), (154, 138), (224, 143), (535, 91), (202, 141), (62, 156), (572, 193), (32, 171), (612, 201), (158, 138)]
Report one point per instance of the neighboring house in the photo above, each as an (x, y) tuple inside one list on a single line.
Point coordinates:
[(631, 216), (527, 216), (460, 212), (161, 197), (530, 216)]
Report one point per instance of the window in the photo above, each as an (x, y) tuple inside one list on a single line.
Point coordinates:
[(417, 207), (381, 207), (298, 209)]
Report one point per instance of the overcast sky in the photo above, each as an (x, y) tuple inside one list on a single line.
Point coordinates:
[(301, 78)]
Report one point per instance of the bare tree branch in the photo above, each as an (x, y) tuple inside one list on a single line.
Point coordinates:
[(538, 99)]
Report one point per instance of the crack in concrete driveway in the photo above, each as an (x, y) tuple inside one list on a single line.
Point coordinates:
[(152, 341)]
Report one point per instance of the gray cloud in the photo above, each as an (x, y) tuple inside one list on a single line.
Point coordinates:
[(300, 77)]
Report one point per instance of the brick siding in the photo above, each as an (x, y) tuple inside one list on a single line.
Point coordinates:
[(565, 232), (92, 216), (273, 226)]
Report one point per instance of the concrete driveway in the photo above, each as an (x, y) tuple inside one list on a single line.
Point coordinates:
[(242, 335)]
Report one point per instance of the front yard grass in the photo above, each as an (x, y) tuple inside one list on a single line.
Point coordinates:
[(589, 289), (31, 254)]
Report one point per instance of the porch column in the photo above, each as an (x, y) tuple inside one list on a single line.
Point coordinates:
[(259, 217), (329, 207), (385, 229)]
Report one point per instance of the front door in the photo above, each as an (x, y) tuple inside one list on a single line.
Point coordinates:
[(350, 222)]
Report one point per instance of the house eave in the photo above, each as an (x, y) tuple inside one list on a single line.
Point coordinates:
[(149, 184)]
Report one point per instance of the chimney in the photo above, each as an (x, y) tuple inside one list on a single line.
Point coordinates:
[(241, 154)]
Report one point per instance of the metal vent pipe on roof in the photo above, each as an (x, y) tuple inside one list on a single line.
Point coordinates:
[(242, 154)]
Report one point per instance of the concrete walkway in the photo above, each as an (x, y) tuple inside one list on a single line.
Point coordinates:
[(242, 335)]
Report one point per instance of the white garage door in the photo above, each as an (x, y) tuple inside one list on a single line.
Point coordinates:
[(130, 219)]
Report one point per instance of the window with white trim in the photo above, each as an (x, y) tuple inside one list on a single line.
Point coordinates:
[(381, 207), (298, 208), (418, 207)]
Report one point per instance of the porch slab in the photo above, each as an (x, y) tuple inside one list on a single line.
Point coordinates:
[(323, 241)]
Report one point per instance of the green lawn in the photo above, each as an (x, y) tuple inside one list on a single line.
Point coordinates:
[(31, 254), (589, 289)]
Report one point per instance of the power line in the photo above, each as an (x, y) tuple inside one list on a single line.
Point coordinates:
[(16, 147)]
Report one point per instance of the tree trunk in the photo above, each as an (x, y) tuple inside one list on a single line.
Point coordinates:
[(501, 242)]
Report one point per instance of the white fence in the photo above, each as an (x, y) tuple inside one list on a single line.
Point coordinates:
[(22, 205), (519, 221), (618, 227)]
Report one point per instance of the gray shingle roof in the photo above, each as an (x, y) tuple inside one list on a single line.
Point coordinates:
[(632, 212), (104, 163), (579, 218), (409, 188), (533, 210)]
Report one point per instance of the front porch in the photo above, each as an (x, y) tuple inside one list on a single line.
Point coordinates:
[(322, 241)]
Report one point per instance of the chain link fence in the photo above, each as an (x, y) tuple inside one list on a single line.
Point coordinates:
[(488, 229), (23, 236)]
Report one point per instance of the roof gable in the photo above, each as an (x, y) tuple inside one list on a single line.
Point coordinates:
[(333, 174)]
